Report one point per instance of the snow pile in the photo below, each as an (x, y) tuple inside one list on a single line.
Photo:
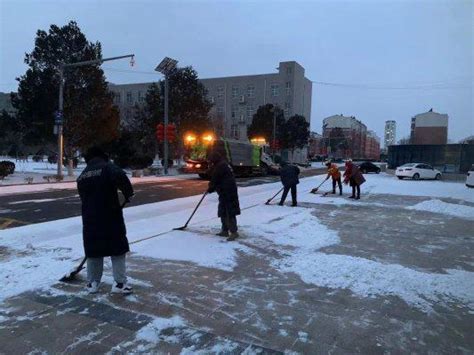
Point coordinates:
[(451, 209), (368, 278)]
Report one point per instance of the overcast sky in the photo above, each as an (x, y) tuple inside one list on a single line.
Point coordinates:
[(394, 59)]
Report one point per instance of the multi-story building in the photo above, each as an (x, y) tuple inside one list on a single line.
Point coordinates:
[(429, 128), (354, 133), (315, 145), (372, 146), (6, 103), (390, 134), (236, 99)]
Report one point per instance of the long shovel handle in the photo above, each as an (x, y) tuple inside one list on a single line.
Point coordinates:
[(192, 214), (269, 200)]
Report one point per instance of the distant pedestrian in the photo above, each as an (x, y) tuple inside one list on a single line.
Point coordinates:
[(335, 174), (289, 176), (104, 232), (354, 177), (223, 182)]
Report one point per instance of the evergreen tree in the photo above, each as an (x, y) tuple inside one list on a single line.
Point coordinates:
[(296, 133), (263, 120), (89, 115)]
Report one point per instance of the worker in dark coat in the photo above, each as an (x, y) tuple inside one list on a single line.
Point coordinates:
[(354, 177), (104, 232), (289, 174), (223, 182)]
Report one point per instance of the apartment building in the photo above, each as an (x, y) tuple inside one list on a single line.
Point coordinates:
[(372, 146), (235, 99), (429, 128), (354, 132)]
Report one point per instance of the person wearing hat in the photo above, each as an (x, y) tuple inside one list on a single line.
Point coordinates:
[(223, 182), (289, 174), (354, 177), (104, 232), (335, 174)]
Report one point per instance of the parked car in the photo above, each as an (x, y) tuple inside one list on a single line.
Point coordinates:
[(368, 167), (470, 177), (417, 171)]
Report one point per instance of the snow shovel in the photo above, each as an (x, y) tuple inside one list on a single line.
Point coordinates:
[(269, 200), (71, 274), (192, 214), (313, 191)]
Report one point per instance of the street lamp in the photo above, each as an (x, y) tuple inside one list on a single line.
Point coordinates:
[(166, 66), (59, 114)]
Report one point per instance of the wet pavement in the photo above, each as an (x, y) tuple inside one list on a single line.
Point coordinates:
[(179, 306)]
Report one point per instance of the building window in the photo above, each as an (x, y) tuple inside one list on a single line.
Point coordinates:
[(220, 91), (233, 111), (250, 111), (289, 70), (220, 110), (287, 108), (129, 97), (234, 131), (275, 88), (288, 87), (141, 98), (251, 91), (118, 98), (235, 91)]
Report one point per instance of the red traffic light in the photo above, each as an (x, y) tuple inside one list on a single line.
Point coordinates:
[(160, 132), (171, 132)]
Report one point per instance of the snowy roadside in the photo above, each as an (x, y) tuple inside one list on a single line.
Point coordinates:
[(41, 187), (36, 256)]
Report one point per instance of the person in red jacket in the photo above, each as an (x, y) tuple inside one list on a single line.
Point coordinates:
[(354, 177)]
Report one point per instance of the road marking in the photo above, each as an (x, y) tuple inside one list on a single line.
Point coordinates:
[(6, 222)]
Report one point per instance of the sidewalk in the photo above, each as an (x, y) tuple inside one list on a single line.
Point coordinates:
[(392, 272)]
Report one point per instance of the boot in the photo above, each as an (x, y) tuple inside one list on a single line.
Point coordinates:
[(352, 196), (233, 236), (222, 234)]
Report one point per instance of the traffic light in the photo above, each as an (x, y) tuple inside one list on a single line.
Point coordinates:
[(160, 132), (171, 132)]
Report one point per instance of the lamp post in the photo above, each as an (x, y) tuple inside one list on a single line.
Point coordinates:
[(166, 66), (59, 115)]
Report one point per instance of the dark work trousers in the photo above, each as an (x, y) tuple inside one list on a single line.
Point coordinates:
[(285, 193), (354, 188), (229, 223), (339, 182)]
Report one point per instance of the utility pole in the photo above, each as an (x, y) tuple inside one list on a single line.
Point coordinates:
[(274, 135), (166, 66), (165, 136), (59, 119)]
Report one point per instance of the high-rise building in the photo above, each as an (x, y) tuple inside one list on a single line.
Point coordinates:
[(390, 136), (429, 128), (235, 99)]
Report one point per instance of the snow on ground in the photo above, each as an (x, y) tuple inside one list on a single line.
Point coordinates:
[(71, 185), (438, 206), (33, 256)]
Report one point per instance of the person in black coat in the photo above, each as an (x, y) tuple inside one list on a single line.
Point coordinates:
[(223, 182), (104, 232), (289, 178)]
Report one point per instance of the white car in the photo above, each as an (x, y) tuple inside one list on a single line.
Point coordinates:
[(417, 171), (470, 177)]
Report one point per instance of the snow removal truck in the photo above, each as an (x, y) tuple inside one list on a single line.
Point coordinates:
[(245, 158)]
